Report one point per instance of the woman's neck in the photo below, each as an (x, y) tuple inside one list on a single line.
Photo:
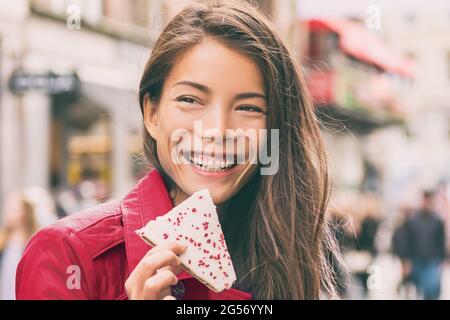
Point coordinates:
[(177, 196)]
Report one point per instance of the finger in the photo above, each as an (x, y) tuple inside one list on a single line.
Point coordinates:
[(169, 298), (166, 292), (148, 266), (176, 247), (159, 283), (144, 268), (173, 269)]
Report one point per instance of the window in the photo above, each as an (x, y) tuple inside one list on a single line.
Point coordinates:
[(323, 45)]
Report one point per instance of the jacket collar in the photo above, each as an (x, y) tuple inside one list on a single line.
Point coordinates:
[(146, 201)]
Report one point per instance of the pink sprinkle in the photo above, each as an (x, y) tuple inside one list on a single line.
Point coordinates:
[(200, 197), (165, 236), (194, 210)]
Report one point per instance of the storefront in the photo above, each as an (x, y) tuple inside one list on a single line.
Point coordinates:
[(357, 83), (58, 140)]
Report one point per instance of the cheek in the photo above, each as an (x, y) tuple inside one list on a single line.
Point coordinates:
[(258, 140), (168, 126), (164, 141)]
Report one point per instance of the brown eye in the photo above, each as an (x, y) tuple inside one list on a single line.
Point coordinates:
[(187, 99), (250, 109)]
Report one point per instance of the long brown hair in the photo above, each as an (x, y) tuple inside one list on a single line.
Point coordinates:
[(280, 245)]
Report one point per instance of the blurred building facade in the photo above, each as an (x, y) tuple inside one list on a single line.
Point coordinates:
[(58, 139), (55, 140), (414, 153), (394, 129)]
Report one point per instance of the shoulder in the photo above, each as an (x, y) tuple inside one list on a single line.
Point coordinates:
[(94, 229), (104, 213), (66, 250)]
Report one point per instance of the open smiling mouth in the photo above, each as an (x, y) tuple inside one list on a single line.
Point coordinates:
[(211, 163)]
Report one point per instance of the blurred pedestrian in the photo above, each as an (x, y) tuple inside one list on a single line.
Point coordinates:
[(442, 205), (367, 234), (426, 239), (18, 226), (400, 248)]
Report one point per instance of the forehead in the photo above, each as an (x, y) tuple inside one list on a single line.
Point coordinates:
[(219, 67)]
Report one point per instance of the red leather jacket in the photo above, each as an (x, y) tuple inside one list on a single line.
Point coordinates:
[(89, 255)]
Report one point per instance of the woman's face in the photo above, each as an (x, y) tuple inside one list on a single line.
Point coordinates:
[(216, 88)]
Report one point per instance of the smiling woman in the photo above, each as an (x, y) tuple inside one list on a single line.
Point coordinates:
[(221, 66), (226, 92)]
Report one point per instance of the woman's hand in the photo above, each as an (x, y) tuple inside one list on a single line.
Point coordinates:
[(155, 273)]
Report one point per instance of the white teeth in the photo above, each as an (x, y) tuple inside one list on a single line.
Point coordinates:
[(211, 164)]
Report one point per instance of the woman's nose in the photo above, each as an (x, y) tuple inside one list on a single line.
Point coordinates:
[(217, 122)]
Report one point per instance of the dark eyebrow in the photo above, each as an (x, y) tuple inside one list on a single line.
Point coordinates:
[(196, 85), (201, 87), (247, 95)]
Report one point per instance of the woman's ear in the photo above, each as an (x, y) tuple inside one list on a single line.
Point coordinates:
[(150, 117)]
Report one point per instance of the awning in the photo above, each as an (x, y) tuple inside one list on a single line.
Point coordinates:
[(364, 45)]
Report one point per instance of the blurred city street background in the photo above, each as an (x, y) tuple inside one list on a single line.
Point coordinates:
[(378, 72)]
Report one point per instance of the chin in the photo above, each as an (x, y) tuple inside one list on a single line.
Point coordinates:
[(219, 193)]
